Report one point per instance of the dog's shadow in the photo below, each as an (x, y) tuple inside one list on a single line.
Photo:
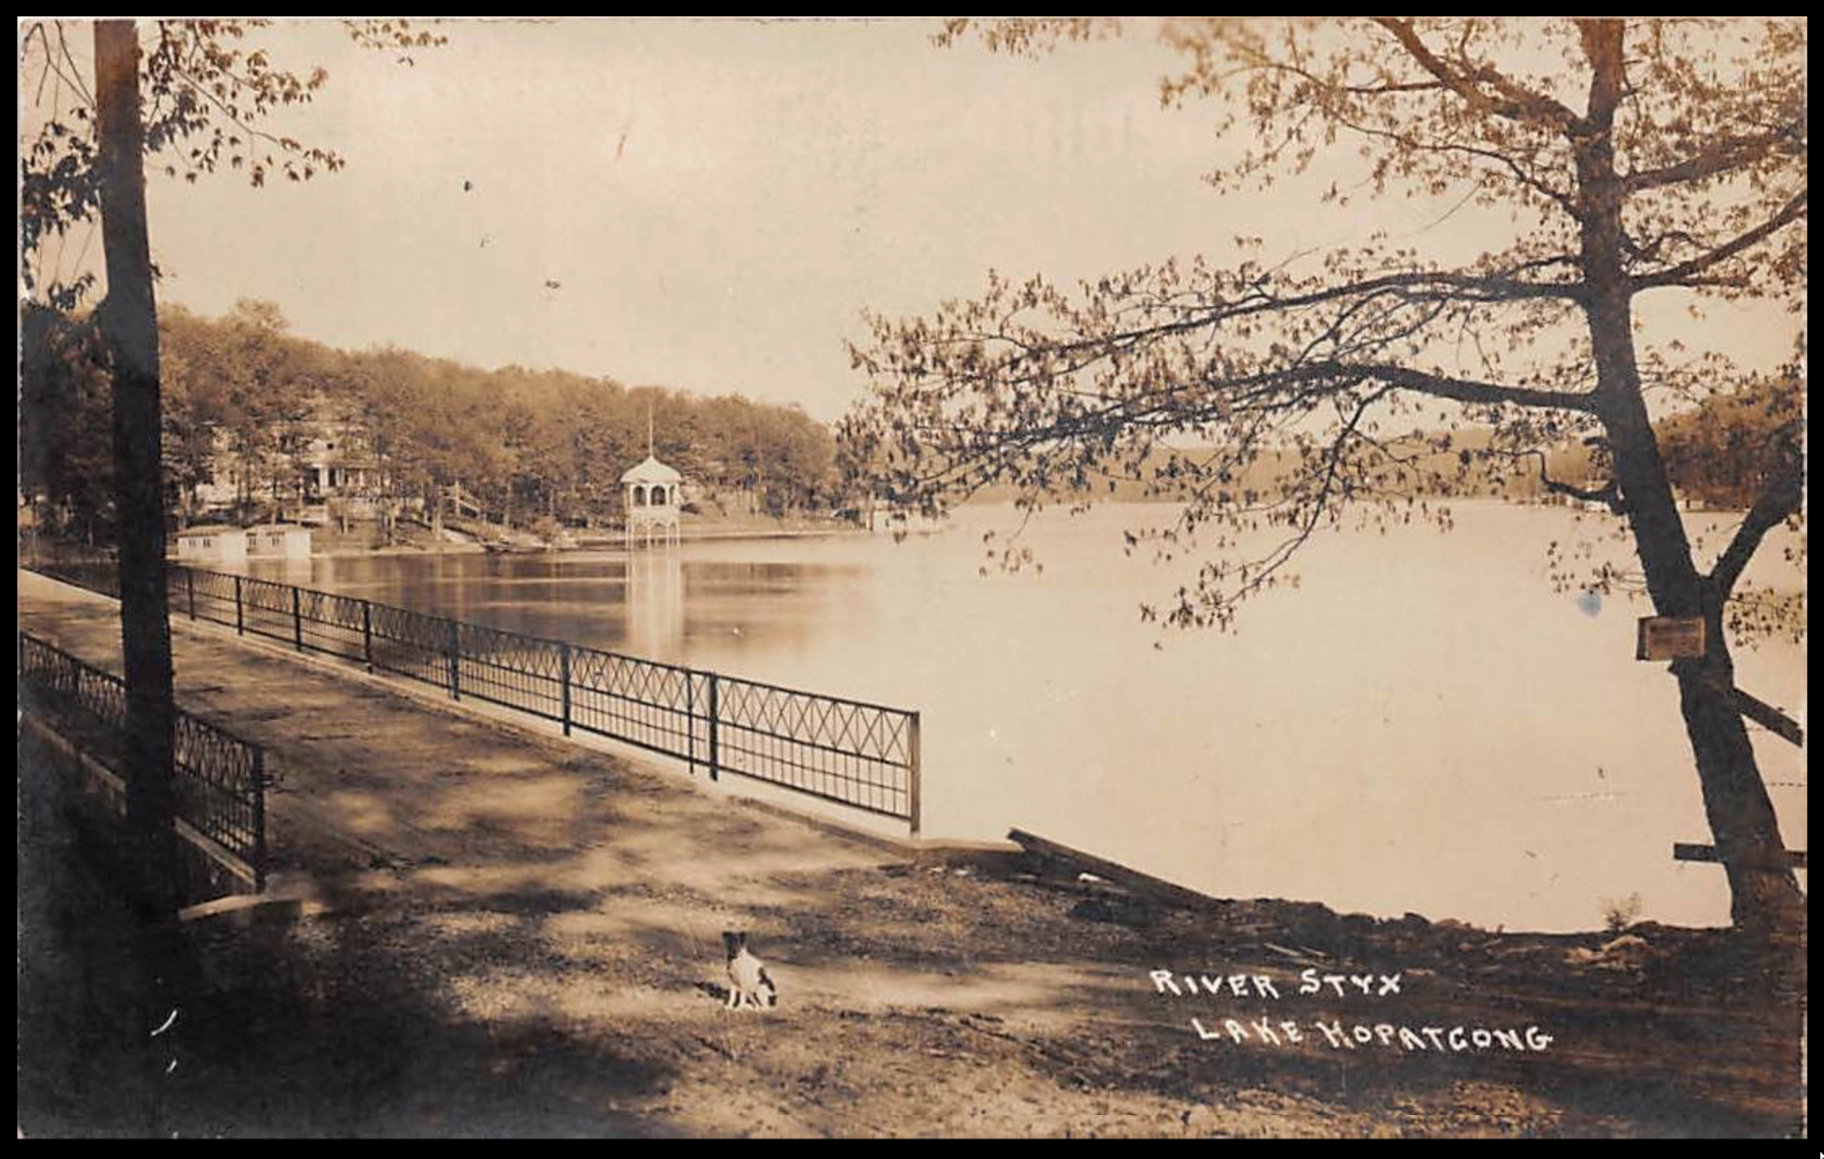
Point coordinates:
[(719, 993)]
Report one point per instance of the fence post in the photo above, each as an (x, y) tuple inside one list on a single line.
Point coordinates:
[(297, 622), (715, 743), (240, 619), (915, 775), (564, 654), (690, 721), (455, 660), (367, 633), (190, 585), (259, 820)]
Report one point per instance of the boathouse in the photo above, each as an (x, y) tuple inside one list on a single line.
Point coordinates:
[(278, 541), (212, 543)]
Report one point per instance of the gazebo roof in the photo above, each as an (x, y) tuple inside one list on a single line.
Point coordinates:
[(652, 471)]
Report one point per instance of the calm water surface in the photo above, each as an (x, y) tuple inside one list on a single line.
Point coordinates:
[(1424, 725)]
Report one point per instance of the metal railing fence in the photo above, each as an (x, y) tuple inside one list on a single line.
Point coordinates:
[(219, 787), (850, 752)]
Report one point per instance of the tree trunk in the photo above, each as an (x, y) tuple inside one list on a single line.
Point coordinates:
[(129, 327), (1764, 893)]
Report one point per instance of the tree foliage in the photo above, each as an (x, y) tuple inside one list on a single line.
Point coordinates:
[(242, 392), (207, 94), (1275, 395), (64, 408), (1290, 393), (1728, 451)]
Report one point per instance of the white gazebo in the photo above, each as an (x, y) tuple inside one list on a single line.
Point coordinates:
[(651, 494)]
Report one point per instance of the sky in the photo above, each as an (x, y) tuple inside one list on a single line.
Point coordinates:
[(710, 204)]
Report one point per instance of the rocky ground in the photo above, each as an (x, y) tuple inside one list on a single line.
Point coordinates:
[(498, 933)]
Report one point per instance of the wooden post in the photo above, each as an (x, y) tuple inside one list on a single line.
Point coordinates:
[(297, 622), (715, 754), (1682, 851), (455, 660), (190, 586), (915, 775), (564, 654), (240, 619), (367, 633), (1769, 717)]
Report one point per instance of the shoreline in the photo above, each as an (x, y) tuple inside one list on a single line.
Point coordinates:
[(607, 543), (613, 544)]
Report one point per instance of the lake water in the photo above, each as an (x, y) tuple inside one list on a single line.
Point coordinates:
[(1423, 725)]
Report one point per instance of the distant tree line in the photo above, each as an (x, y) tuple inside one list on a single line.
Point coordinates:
[(1719, 451), (526, 444)]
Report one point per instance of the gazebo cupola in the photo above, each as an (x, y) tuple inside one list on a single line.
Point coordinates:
[(651, 495)]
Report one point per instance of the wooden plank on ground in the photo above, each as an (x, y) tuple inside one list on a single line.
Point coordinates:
[(1121, 875)]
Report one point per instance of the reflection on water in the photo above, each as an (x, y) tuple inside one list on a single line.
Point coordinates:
[(1422, 726), (655, 605), (674, 606)]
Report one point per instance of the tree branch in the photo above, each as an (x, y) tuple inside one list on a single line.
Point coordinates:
[(1258, 387), (1783, 496), (1679, 274), (1440, 386), (1536, 184), (1609, 494), (63, 45), (1457, 287), (1720, 156), (1516, 103)]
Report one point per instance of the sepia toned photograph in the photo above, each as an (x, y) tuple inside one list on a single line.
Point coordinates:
[(1062, 577)]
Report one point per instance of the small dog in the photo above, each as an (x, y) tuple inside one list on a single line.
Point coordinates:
[(747, 978)]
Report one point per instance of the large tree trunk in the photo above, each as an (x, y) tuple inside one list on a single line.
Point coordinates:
[(129, 327), (1764, 893), (1763, 890)]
